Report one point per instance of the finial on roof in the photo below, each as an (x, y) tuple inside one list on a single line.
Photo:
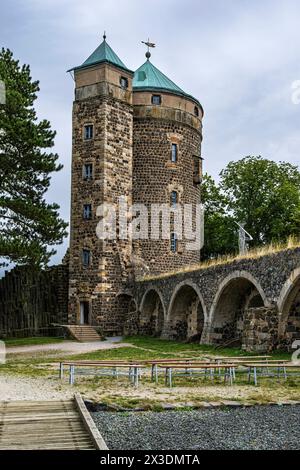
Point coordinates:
[(148, 44), (104, 36)]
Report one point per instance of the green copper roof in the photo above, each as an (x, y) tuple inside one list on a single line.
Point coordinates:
[(148, 77), (103, 53)]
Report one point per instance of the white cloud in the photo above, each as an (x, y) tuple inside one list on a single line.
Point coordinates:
[(238, 57)]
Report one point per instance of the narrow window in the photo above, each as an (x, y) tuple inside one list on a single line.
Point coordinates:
[(124, 82), (156, 99), (174, 242), (87, 211), (86, 257), (88, 132), (88, 171), (174, 153), (174, 198), (196, 111)]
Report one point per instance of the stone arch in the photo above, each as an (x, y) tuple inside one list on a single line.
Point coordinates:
[(152, 313), (236, 293), (187, 312), (289, 310)]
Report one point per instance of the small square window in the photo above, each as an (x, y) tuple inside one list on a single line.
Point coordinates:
[(86, 257), (124, 82), (88, 171), (174, 242), (174, 153), (156, 99), (88, 132), (87, 211)]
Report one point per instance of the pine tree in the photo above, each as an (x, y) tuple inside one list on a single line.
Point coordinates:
[(29, 226)]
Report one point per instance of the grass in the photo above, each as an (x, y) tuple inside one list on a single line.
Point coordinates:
[(11, 342), (149, 395), (257, 252), (165, 347)]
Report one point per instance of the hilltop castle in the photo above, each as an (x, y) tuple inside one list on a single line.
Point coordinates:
[(138, 135)]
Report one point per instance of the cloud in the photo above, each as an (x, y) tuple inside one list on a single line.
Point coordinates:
[(239, 58)]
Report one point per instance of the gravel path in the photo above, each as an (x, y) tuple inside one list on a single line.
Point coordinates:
[(22, 388), (71, 347), (261, 427)]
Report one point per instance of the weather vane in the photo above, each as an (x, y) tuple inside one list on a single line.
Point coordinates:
[(148, 44)]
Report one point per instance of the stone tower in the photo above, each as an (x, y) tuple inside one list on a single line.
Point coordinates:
[(101, 173), (135, 136), (167, 163)]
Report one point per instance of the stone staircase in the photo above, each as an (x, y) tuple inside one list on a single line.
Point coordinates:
[(83, 333)]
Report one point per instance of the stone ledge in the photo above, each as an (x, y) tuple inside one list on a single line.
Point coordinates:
[(193, 406)]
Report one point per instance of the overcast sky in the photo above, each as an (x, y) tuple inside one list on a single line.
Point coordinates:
[(238, 57)]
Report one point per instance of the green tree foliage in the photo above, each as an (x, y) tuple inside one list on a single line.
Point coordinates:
[(29, 226), (262, 194), (265, 195), (220, 231)]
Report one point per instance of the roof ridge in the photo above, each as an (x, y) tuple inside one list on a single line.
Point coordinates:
[(103, 53)]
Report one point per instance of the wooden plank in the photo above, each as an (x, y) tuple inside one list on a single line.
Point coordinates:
[(43, 425), (89, 423)]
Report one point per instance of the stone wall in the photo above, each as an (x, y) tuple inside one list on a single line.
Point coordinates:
[(32, 302), (239, 299), (155, 177), (108, 108), (260, 329)]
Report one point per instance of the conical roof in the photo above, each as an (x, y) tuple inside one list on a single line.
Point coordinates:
[(149, 78), (103, 54)]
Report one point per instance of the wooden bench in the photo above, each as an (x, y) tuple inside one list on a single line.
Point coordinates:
[(280, 366), (228, 370), (134, 369), (154, 365), (240, 358)]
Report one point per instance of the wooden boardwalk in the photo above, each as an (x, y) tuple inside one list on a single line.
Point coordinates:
[(52, 425)]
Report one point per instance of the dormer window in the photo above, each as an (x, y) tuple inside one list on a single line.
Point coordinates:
[(88, 131), (124, 82), (196, 111), (156, 99)]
